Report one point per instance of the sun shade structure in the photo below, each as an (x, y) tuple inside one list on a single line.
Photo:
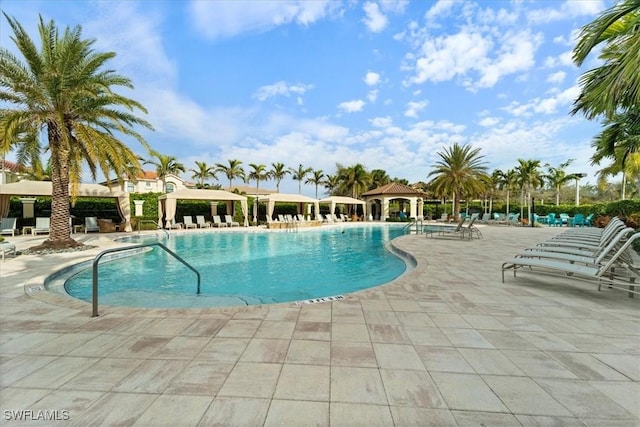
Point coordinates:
[(378, 200), (301, 200), (44, 188), (167, 202), (342, 200)]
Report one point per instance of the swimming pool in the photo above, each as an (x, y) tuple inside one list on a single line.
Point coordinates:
[(247, 268)]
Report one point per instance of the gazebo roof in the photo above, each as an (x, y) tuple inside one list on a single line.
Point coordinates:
[(198, 194), (342, 199), (44, 188), (394, 188)]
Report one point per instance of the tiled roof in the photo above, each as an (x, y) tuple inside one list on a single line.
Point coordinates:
[(10, 166), (393, 188), (148, 175)]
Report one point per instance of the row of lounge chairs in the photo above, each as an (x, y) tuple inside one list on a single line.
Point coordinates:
[(595, 255), (201, 222)]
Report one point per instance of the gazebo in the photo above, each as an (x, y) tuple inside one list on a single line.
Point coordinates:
[(301, 200), (167, 202), (378, 200), (44, 188), (342, 200)]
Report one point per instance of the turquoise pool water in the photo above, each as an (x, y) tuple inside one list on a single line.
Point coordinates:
[(247, 268)]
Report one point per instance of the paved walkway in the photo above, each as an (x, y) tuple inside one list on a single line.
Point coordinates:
[(447, 344)]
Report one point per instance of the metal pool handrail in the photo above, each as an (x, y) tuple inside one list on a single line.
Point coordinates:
[(126, 248), (152, 222)]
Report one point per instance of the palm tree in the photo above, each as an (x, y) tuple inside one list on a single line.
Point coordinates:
[(232, 171), (278, 172), (259, 173), (557, 177), (354, 180), (379, 178), (299, 175), (65, 90), (460, 171), (202, 173), (506, 181), (529, 177), (316, 179), (331, 184), (165, 165), (615, 85)]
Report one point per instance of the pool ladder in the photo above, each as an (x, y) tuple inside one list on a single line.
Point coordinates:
[(127, 248), (417, 223)]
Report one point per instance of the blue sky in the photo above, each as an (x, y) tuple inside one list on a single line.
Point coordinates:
[(388, 84)]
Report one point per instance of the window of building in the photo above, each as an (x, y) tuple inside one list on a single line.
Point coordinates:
[(130, 187), (170, 187)]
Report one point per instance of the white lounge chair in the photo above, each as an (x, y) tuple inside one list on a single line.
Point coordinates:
[(446, 230), (188, 222), (200, 221), (43, 225), (173, 225), (7, 248), (91, 224), (610, 268), (217, 222), (9, 226), (230, 222)]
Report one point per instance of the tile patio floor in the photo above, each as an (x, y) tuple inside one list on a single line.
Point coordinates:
[(446, 344)]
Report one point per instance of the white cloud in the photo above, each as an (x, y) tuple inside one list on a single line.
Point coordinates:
[(544, 106), (413, 108), (441, 8), (489, 121), (220, 19), (372, 95), (281, 88), (371, 78), (351, 106), (567, 10), (557, 77), (562, 60), (381, 122), (375, 20)]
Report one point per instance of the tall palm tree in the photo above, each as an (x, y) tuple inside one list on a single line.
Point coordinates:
[(299, 175), (615, 85), (202, 173), (258, 173), (557, 177), (506, 182), (316, 179), (65, 90), (529, 178), (354, 180), (460, 171), (232, 171), (278, 172), (165, 165)]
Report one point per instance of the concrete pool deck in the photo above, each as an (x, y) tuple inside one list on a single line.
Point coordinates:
[(446, 344)]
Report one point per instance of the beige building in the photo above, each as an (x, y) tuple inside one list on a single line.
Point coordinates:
[(150, 182)]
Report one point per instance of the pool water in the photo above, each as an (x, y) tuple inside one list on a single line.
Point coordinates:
[(247, 268)]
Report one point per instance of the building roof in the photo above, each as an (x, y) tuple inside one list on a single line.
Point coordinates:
[(393, 188), (10, 166), (148, 175)]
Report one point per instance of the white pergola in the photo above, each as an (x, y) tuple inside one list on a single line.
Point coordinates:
[(301, 200), (167, 202), (342, 200), (44, 188)]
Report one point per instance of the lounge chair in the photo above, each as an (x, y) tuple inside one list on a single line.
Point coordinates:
[(43, 225), (188, 222), (217, 222), (173, 225), (446, 230), (200, 221), (91, 224), (7, 248), (610, 268), (514, 219), (8, 226), (471, 230), (230, 222)]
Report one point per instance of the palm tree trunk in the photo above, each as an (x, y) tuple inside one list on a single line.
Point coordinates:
[(60, 230)]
